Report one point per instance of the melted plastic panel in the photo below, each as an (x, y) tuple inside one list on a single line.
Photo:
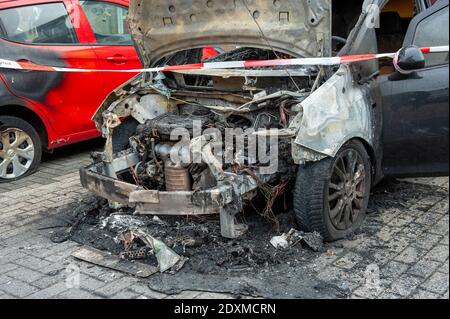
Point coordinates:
[(337, 112), (295, 27)]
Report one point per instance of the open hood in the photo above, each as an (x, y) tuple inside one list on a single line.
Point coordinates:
[(301, 28)]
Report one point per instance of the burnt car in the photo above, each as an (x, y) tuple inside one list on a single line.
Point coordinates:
[(336, 130)]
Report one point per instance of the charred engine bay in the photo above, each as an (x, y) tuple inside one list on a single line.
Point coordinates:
[(207, 106)]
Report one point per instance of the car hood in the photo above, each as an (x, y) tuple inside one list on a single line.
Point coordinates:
[(301, 28)]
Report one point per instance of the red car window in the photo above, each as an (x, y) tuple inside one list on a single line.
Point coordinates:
[(38, 24), (107, 21)]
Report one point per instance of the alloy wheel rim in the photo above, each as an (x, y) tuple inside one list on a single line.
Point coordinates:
[(16, 153), (347, 188)]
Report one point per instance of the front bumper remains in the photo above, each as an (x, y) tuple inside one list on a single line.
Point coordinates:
[(226, 199)]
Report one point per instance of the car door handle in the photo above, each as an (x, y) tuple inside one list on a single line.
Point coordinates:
[(118, 59)]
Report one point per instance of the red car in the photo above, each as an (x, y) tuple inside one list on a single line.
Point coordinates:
[(42, 111)]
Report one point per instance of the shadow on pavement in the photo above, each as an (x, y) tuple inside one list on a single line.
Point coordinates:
[(82, 147)]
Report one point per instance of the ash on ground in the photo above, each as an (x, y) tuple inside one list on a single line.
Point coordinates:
[(197, 238), (248, 266), (243, 266)]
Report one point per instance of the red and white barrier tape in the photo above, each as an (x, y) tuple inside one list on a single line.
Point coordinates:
[(7, 64)]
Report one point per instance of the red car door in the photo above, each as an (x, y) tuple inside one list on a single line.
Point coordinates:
[(113, 43), (52, 32)]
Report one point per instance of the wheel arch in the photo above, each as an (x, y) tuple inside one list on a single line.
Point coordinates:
[(372, 156), (31, 117)]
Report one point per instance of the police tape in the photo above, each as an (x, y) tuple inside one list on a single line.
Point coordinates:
[(331, 61)]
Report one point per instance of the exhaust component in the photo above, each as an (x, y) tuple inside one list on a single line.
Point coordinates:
[(178, 178)]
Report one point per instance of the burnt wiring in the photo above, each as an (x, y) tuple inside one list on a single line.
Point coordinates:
[(132, 171), (271, 194)]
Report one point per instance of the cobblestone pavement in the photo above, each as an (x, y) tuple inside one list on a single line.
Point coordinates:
[(407, 256)]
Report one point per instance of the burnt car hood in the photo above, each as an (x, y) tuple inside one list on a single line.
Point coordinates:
[(301, 28)]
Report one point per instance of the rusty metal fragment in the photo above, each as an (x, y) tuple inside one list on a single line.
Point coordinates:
[(103, 259), (167, 258)]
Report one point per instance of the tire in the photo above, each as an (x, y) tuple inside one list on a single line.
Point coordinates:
[(122, 134), (16, 166), (318, 184)]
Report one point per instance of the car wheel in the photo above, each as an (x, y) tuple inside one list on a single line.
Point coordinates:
[(122, 134), (331, 196), (20, 149)]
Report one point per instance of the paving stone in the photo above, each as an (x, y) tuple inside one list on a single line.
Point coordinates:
[(116, 286), (61, 255), (424, 268), (75, 293), (389, 296), (401, 221), (18, 288), (405, 285), (441, 227), (185, 295), (33, 262), (445, 240), (427, 241), (142, 289), (213, 296), (437, 283), (444, 267), (423, 294), (100, 273), (410, 255), (394, 269), (386, 233), (47, 281), (5, 279), (348, 261), (398, 244), (126, 294), (413, 231), (368, 292), (441, 208), (428, 219), (438, 253), (381, 258), (88, 282), (25, 274), (50, 291), (4, 268), (341, 277)]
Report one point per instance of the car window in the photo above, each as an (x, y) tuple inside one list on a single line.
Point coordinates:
[(38, 24), (108, 22), (433, 31)]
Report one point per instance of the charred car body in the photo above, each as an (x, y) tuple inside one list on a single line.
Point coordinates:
[(327, 124)]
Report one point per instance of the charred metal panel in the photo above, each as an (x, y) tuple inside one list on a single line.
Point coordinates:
[(337, 112), (295, 27)]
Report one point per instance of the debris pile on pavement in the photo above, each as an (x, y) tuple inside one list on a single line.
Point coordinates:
[(314, 241), (133, 237), (250, 266), (166, 257), (181, 247)]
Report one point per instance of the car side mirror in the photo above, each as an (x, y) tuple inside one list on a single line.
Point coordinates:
[(409, 59)]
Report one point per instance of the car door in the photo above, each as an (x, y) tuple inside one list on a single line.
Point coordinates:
[(114, 45), (50, 32), (415, 107)]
